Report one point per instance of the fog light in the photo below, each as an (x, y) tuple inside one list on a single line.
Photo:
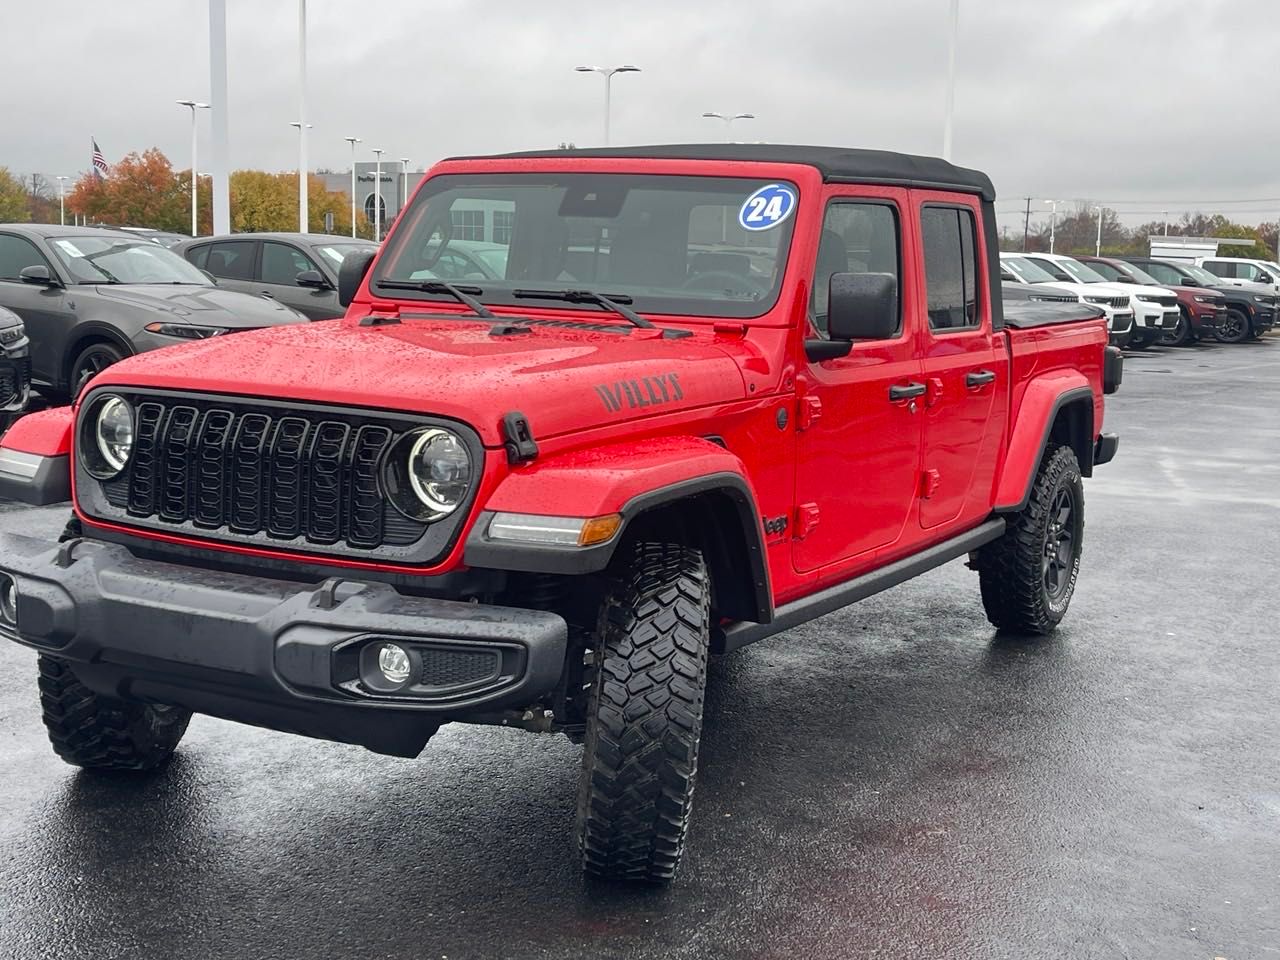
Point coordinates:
[(8, 600), (393, 661)]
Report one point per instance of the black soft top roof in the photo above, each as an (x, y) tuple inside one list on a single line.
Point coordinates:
[(836, 164)]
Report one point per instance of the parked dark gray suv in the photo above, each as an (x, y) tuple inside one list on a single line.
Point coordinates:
[(298, 269), (15, 368), (90, 297)]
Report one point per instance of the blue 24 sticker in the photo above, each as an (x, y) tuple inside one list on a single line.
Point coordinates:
[(767, 207)]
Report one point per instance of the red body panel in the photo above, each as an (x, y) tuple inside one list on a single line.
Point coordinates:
[(860, 481), (45, 434)]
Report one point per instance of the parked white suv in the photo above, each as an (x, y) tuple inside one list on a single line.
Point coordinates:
[(1116, 304), (1242, 271), (1155, 309)]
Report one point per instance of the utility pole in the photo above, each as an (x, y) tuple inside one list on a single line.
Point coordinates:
[(952, 42), (304, 216), (1097, 248), (1026, 226)]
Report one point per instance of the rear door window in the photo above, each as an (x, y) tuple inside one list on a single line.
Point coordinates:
[(949, 236), (231, 259)]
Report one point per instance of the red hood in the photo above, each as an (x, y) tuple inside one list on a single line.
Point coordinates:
[(562, 379)]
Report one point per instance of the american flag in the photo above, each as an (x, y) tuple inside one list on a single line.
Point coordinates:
[(99, 161)]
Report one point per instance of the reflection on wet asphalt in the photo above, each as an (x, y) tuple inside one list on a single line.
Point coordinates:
[(889, 781)]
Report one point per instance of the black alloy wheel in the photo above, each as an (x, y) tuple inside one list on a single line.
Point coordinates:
[(91, 361), (1180, 335), (1235, 328), (1058, 564)]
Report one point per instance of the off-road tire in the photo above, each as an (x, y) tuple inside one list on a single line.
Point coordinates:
[(645, 715), (98, 733), (1013, 569), (1237, 330)]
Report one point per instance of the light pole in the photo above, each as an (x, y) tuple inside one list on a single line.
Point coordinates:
[(404, 180), (1097, 247), (62, 210), (302, 129), (728, 119), (219, 138), (353, 141), (1053, 222), (194, 105), (377, 196), (607, 73), (303, 214), (952, 42)]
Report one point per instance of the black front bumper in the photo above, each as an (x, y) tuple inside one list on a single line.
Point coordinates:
[(275, 653)]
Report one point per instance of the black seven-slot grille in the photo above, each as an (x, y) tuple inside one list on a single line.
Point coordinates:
[(285, 474)]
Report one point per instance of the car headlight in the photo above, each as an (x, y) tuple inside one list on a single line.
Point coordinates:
[(106, 439), (13, 334), (1206, 299), (1145, 298), (1104, 301), (1262, 299), (185, 331), (428, 473)]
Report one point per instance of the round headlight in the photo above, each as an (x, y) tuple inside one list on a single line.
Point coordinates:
[(114, 433), (105, 440), (439, 470)]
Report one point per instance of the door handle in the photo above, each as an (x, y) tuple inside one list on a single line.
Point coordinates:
[(906, 391), (979, 378)]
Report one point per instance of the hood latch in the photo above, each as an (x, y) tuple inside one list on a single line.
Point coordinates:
[(520, 444)]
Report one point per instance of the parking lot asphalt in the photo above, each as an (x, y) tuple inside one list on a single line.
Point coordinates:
[(891, 781)]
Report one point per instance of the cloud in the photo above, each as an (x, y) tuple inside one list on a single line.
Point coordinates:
[(1111, 99)]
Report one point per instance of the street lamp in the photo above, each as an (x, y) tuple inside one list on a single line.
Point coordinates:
[(1053, 222), (607, 73), (303, 213), (302, 173), (952, 42), (353, 141), (194, 105), (728, 119), (1097, 247), (404, 179), (62, 210), (377, 196)]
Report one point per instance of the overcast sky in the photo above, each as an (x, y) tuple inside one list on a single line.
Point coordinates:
[(1165, 101)]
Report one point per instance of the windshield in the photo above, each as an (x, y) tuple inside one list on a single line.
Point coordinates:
[(117, 260), (695, 246), (335, 253), (1138, 274), (1201, 274), (1080, 271), (1025, 270), (1123, 273)]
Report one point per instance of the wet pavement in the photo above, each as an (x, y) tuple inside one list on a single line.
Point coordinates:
[(890, 781)]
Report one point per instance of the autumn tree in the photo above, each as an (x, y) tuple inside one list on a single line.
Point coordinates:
[(13, 199), (269, 202), (140, 190)]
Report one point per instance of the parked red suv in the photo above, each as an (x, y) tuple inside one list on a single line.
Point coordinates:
[(718, 391), (1201, 310)]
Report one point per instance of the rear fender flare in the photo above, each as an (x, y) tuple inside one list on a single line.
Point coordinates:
[(1064, 398)]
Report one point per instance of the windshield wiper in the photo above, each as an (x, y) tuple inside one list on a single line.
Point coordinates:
[(461, 294), (613, 301)]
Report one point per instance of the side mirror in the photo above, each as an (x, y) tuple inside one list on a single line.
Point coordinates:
[(1063, 276), (1264, 277), (312, 278), (351, 274), (860, 306), (1189, 282), (39, 275)]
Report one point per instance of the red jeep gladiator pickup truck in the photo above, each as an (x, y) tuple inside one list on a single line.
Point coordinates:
[(591, 417)]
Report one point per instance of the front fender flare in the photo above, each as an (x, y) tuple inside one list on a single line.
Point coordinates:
[(630, 479), (35, 458)]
